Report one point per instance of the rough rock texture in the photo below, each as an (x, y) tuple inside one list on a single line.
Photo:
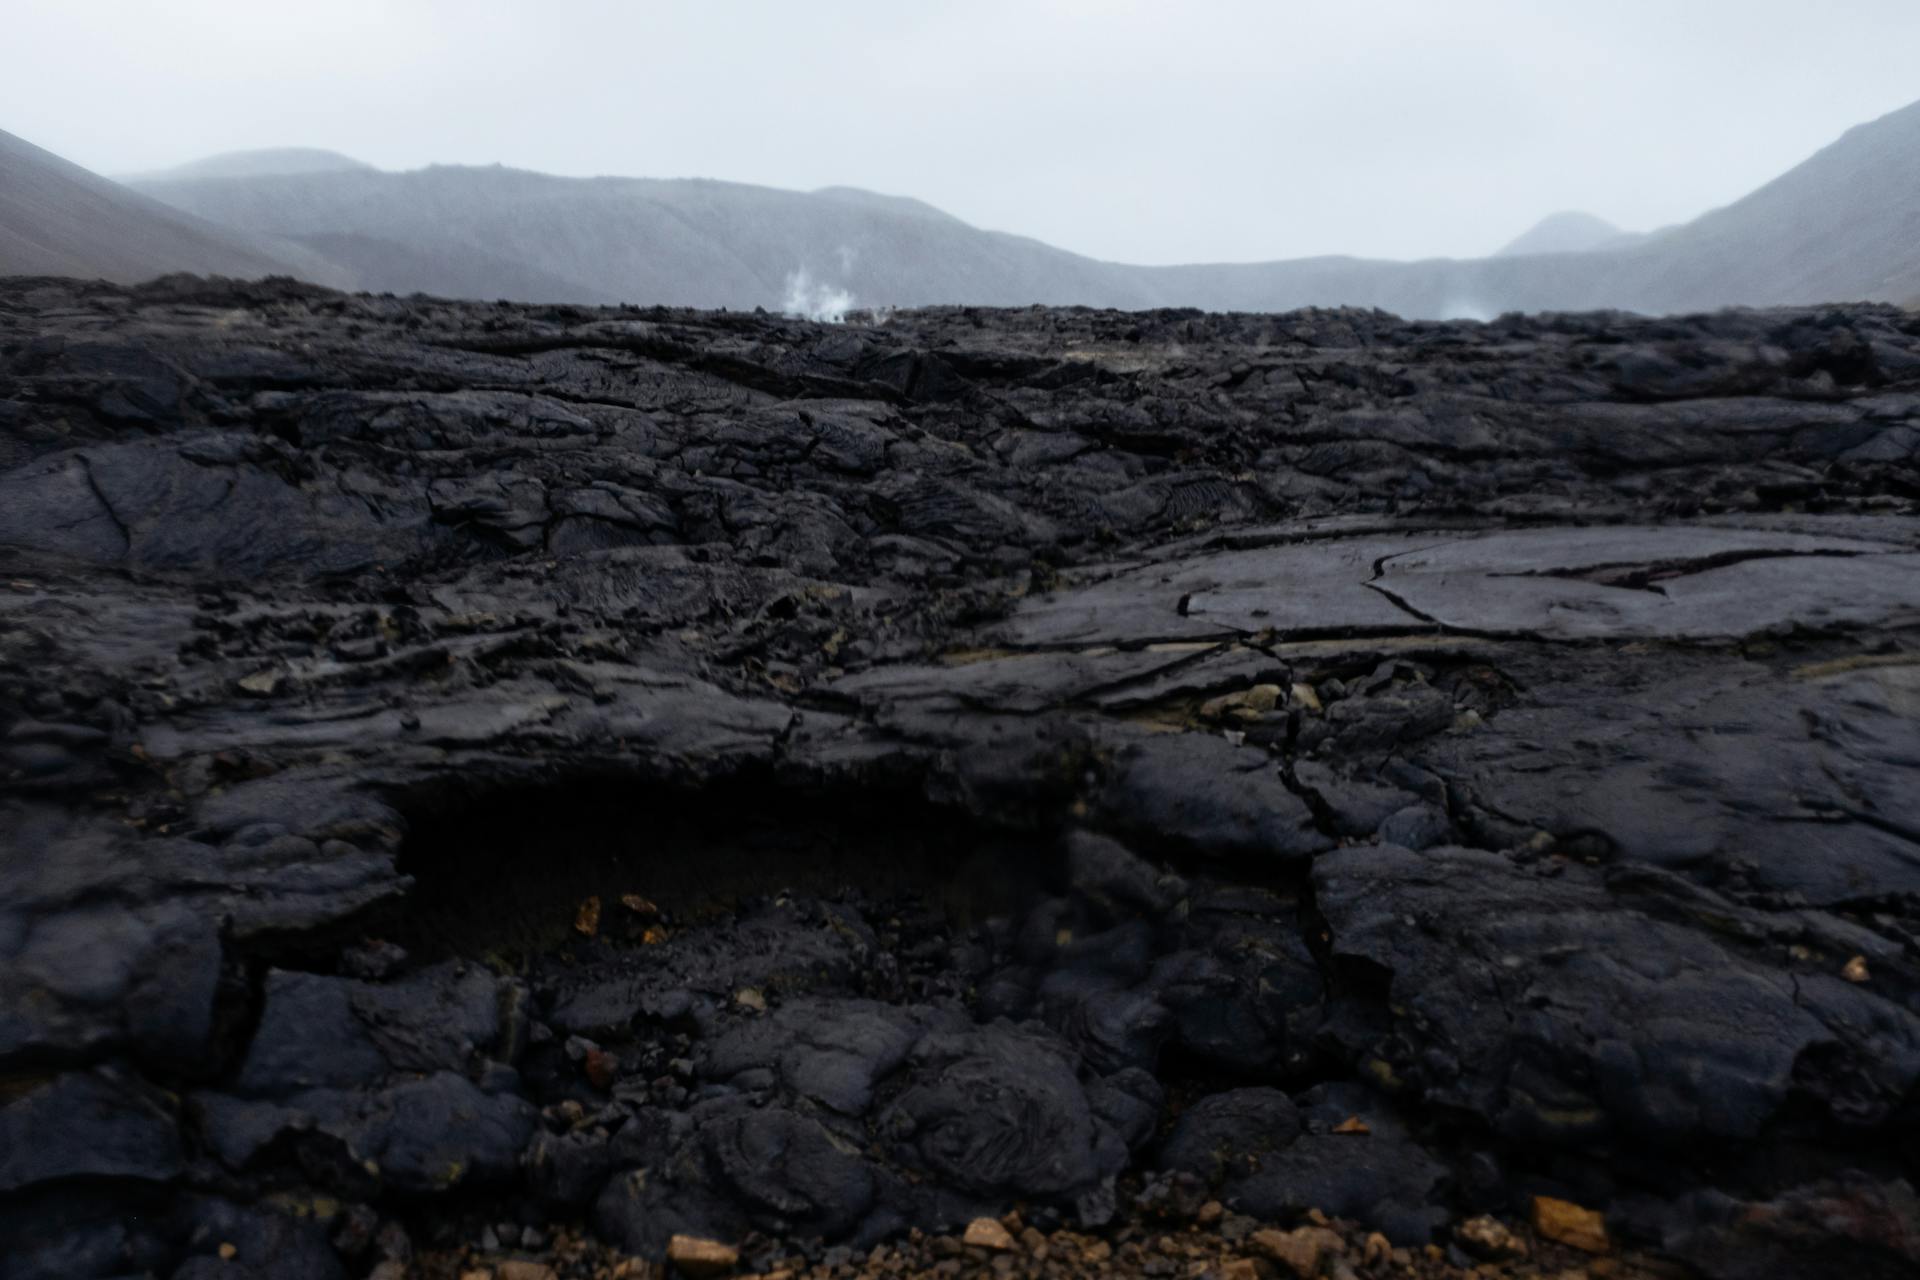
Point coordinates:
[(466, 767)]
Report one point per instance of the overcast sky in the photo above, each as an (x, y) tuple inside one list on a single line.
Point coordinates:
[(1163, 132)]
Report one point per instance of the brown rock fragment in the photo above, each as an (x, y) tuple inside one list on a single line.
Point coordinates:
[(1571, 1224), (601, 1068), (697, 1257), (986, 1233), (1246, 705), (521, 1269), (1298, 1252), (1376, 1251), (1488, 1237), (261, 684)]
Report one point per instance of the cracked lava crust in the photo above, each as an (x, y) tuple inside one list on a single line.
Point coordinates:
[(474, 777)]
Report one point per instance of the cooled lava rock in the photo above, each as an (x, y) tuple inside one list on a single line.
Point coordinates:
[(471, 772)]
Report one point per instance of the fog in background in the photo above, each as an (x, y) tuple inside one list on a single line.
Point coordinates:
[(1151, 133)]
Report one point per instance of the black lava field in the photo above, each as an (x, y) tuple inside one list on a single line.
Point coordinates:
[(675, 772)]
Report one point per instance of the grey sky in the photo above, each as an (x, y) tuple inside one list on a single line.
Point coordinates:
[(1161, 132)]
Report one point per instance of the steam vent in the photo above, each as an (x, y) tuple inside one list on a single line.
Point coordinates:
[(546, 792)]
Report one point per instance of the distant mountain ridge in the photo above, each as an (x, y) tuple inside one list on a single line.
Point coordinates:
[(1842, 226)]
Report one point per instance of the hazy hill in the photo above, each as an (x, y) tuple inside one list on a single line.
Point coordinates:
[(498, 232), (511, 233), (1567, 232), (256, 164), (1843, 225), (59, 219)]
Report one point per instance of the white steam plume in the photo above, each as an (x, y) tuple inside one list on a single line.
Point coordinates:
[(815, 300), (1464, 309)]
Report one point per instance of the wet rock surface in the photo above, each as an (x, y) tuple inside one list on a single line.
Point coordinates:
[(477, 778)]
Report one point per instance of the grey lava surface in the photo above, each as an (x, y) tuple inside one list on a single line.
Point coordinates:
[(701, 772)]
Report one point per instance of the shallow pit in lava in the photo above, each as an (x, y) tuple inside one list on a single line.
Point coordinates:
[(526, 868)]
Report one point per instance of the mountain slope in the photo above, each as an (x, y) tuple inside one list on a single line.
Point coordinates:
[(59, 219), (1843, 225), (392, 266)]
